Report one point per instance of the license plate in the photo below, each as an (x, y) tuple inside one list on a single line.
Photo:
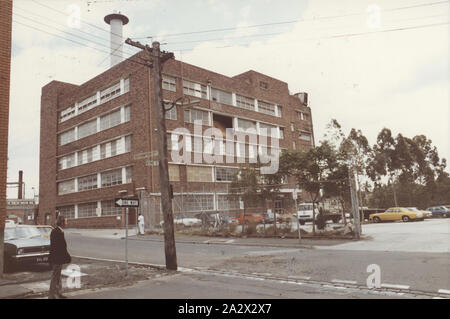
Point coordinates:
[(42, 259)]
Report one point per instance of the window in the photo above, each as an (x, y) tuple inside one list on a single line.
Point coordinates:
[(244, 125), (245, 102), (225, 174), (263, 85), (87, 182), (293, 145), (266, 108), (87, 104), (128, 174), (194, 89), (67, 114), (87, 210), (169, 83), (281, 132), (67, 137), (86, 156), (192, 115), (109, 208), (198, 203), (66, 187), (113, 148), (267, 130), (126, 86), (87, 129), (67, 211), (112, 178), (305, 136), (127, 111), (172, 113), (224, 202), (292, 127), (66, 161), (110, 93), (127, 143), (221, 96), (280, 110), (174, 173), (199, 174), (109, 120)]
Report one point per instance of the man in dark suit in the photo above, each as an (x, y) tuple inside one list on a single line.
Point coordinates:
[(58, 257)]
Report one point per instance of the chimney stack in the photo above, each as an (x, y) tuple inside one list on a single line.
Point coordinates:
[(116, 22), (19, 195)]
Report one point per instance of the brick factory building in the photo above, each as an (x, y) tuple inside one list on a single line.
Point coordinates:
[(98, 140)]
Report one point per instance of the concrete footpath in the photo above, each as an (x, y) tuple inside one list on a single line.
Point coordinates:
[(243, 241)]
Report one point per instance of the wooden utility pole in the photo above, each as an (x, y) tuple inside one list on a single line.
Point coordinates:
[(157, 58), (355, 204)]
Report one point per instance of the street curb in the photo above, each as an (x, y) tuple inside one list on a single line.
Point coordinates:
[(225, 243)]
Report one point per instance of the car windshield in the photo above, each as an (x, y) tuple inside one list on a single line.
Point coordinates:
[(21, 232)]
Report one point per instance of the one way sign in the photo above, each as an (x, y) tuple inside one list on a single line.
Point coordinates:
[(127, 202)]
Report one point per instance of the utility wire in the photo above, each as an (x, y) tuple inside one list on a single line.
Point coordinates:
[(80, 43), (68, 33), (66, 14), (329, 37), (291, 21), (59, 23)]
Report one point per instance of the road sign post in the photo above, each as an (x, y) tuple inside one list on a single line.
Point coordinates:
[(126, 202), (295, 196)]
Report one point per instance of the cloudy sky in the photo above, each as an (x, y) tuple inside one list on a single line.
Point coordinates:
[(368, 64)]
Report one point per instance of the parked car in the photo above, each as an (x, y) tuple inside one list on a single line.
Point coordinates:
[(425, 213), (395, 214), (9, 222), (188, 221), (45, 230), (305, 213), (439, 211), (24, 244)]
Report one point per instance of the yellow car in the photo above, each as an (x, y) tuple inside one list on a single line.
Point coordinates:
[(397, 213)]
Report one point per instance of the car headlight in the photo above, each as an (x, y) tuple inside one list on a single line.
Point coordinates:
[(20, 251)]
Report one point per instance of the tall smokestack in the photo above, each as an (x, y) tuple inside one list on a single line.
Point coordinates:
[(19, 195), (116, 22)]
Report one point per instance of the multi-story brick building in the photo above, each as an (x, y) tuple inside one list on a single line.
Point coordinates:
[(5, 70), (97, 139)]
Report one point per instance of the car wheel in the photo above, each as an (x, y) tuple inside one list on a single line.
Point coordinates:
[(405, 219), (376, 219)]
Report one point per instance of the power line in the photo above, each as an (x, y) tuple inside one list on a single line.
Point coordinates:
[(62, 30), (46, 18), (333, 36), (291, 21), (66, 14), (80, 43)]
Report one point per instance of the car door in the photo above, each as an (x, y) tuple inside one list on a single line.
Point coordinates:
[(400, 212), (387, 215)]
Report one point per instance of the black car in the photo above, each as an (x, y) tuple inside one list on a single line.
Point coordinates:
[(24, 244)]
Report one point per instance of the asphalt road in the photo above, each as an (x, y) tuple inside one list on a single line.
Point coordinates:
[(418, 270)]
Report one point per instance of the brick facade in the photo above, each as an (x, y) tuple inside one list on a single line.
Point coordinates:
[(58, 97), (5, 70)]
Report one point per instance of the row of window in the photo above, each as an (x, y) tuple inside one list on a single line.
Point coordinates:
[(104, 179), (98, 98), (101, 151), (93, 209), (202, 173), (216, 147), (96, 125), (220, 96)]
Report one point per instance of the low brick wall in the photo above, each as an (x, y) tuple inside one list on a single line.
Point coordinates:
[(95, 222)]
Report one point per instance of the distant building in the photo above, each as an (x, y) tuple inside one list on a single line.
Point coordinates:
[(22, 211)]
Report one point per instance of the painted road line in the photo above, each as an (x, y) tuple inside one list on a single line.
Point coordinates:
[(300, 277), (444, 291), (394, 286), (230, 241), (335, 287), (339, 281)]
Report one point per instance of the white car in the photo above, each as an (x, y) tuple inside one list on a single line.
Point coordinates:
[(9, 222), (188, 222)]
